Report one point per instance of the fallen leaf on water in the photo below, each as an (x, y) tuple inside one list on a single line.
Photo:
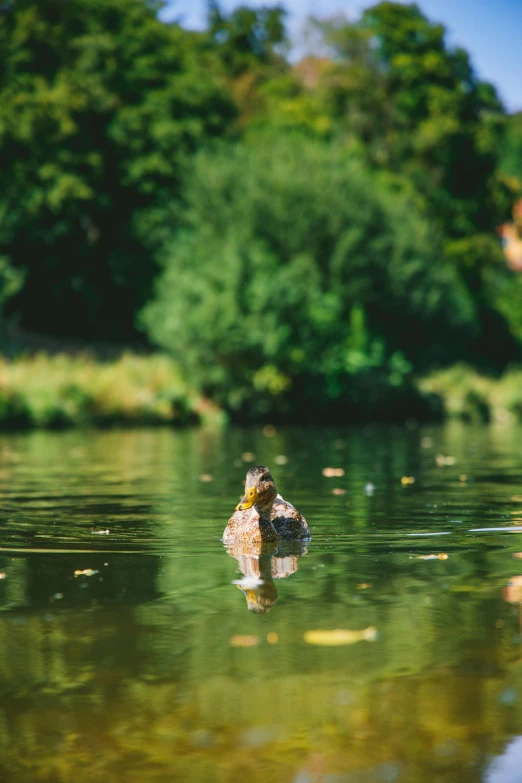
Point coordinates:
[(244, 641), (340, 636), (86, 572), (405, 480), (338, 491), (441, 460), (333, 472), (206, 477)]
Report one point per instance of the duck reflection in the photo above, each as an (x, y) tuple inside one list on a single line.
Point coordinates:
[(260, 565)]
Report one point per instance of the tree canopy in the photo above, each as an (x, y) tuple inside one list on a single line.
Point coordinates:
[(100, 106), (293, 230)]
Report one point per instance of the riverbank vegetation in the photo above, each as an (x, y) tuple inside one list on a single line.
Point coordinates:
[(303, 237), (62, 391)]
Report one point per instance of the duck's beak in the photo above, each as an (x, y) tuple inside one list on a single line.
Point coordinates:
[(248, 500)]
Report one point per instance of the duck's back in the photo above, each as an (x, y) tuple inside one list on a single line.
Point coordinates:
[(243, 526), (289, 523)]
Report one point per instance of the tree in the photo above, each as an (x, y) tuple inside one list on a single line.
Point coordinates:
[(101, 105), (301, 280), (412, 104)]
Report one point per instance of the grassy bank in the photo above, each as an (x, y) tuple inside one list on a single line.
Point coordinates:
[(63, 391), (464, 393), (60, 391)]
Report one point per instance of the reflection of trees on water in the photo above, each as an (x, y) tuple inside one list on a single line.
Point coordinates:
[(260, 565), (134, 677)]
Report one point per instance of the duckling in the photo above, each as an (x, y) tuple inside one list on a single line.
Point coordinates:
[(263, 515)]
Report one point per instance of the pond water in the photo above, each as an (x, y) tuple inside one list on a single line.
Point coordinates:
[(135, 647)]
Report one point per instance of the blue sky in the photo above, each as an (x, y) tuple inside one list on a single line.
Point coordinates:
[(490, 30)]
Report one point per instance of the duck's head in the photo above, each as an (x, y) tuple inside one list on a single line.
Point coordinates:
[(260, 489), (261, 598)]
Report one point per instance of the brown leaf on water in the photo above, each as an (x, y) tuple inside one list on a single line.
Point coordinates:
[(443, 461), (340, 637), (333, 472), (244, 641), (86, 572)]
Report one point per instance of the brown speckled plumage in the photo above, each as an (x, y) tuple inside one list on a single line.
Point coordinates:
[(269, 519)]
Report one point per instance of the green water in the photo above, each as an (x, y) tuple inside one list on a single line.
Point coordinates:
[(150, 667)]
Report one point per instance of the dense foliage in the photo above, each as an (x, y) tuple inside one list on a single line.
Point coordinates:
[(318, 231), (297, 273), (100, 104)]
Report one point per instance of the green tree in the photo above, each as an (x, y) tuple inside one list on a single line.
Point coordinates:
[(511, 157), (300, 279), (101, 105), (413, 105)]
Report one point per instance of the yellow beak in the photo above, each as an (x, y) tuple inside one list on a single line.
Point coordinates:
[(248, 500)]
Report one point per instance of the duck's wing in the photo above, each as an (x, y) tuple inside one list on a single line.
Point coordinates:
[(289, 523), (237, 524)]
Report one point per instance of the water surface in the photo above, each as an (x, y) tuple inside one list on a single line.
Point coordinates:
[(134, 647)]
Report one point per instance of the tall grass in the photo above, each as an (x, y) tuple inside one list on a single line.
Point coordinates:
[(61, 391), (465, 394)]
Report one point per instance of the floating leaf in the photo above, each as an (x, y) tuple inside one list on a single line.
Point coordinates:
[(244, 641), (443, 461), (333, 472), (340, 636)]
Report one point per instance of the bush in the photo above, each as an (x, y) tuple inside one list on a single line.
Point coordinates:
[(301, 281)]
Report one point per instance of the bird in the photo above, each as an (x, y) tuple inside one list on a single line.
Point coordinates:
[(263, 516)]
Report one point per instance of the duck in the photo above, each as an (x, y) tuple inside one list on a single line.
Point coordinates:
[(263, 516)]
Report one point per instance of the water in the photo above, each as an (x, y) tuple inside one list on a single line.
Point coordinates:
[(387, 649)]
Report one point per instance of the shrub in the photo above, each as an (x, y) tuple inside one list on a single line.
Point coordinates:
[(302, 281)]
